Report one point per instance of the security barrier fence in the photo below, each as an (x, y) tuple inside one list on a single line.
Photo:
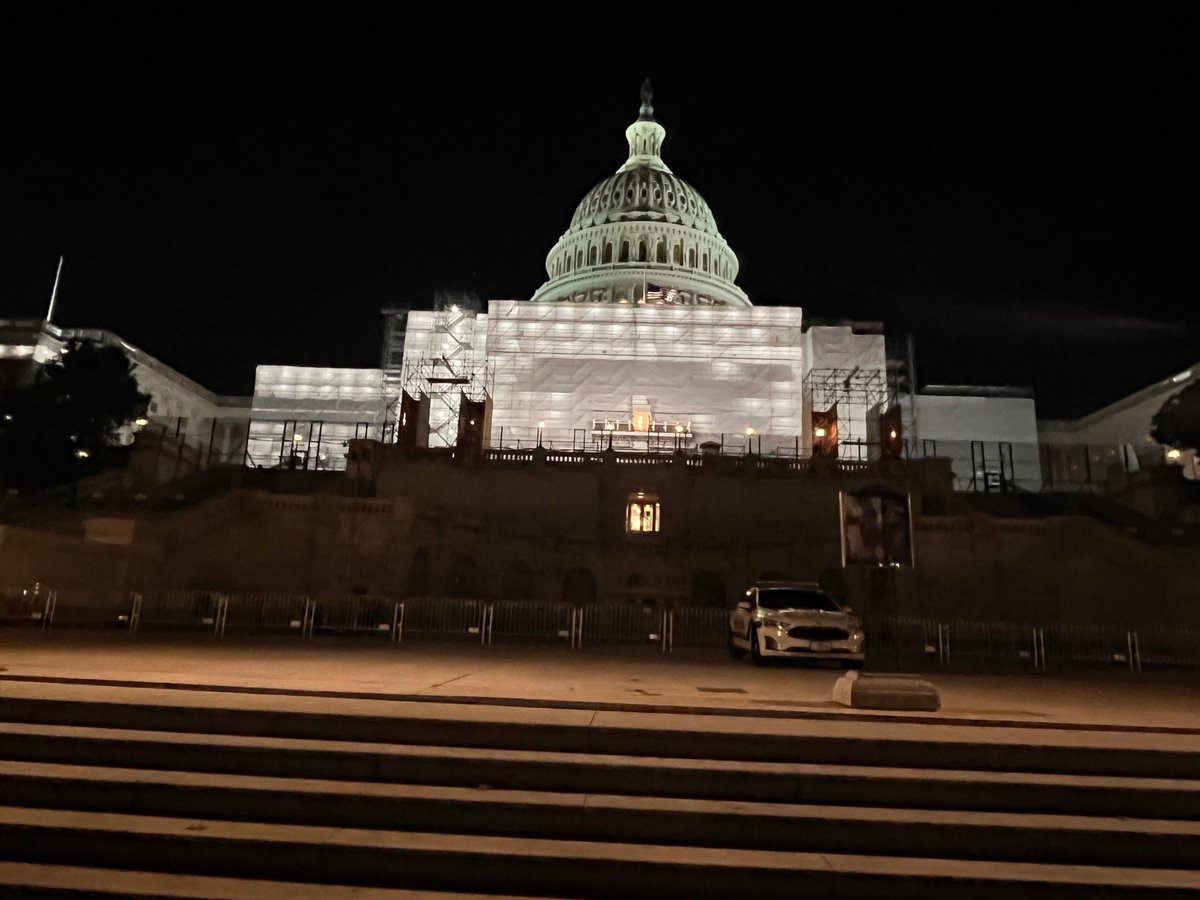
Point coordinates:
[(893, 640)]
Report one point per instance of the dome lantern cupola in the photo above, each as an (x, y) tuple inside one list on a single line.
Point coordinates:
[(643, 235), (645, 137)]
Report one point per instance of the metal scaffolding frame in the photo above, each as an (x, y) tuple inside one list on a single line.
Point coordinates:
[(445, 358), (856, 392)]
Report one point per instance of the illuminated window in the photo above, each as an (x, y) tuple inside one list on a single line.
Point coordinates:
[(643, 513)]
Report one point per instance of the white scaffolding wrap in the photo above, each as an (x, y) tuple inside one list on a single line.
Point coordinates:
[(564, 369), (307, 415)]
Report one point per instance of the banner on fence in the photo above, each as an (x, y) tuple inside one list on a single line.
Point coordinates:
[(876, 525)]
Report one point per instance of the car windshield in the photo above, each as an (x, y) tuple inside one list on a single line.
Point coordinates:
[(794, 598)]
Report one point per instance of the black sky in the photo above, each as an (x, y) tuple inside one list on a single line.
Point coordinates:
[(241, 184)]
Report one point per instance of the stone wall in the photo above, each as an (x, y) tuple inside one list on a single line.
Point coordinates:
[(546, 531)]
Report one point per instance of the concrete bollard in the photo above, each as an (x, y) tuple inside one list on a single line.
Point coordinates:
[(897, 692)]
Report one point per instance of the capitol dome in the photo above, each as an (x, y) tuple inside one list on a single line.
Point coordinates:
[(643, 235)]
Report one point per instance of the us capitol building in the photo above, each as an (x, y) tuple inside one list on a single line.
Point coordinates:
[(640, 338)]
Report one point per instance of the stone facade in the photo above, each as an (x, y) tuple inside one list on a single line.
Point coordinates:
[(536, 526)]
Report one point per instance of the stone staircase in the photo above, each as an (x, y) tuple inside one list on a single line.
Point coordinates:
[(206, 794)]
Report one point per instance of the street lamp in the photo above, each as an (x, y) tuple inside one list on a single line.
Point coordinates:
[(541, 425), (749, 440)]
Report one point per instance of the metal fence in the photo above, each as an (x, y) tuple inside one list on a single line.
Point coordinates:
[(622, 624), (894, 640), (179, 610), (267, 612), (699, 626), (353, 614), (441, 616), (25, 606), (526, 620)]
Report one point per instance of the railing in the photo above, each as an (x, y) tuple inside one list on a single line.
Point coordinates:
[(26, 606), (267, 612), (353, 614), (893, 640)]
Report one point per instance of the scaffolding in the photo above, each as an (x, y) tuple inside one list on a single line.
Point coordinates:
[(903, 387), (395, 326), (560, 368), (856, 392), (444, 357)]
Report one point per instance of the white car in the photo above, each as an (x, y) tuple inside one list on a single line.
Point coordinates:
[(794, 620)]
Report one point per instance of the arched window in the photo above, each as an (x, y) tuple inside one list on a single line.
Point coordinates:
[(578, 258), (624, 251), (643, 513), (661, 255), (591, 256), (692, 257), (641, 251), (679, 254), (608, 253), (704, 262)]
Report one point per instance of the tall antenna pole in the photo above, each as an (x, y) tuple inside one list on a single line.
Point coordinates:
[(54, 290)]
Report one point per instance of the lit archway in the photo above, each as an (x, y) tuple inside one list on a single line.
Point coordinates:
[(643, 513)]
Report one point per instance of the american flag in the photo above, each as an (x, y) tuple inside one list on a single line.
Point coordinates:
[(656, 293)]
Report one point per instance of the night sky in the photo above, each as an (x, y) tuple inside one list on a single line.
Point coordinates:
[(235, 184)]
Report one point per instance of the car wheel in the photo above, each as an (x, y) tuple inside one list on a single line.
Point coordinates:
[(756, 656), (735, 652)]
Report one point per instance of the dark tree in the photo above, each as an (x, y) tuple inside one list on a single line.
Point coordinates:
[(1177, 424), (64, 424)]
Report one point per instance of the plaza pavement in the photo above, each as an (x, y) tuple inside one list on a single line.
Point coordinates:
[(641, 678)]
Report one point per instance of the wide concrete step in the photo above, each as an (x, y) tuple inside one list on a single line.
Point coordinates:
[(599, 817), (482, 863), (534, 770), (19, 881), (933, 746)]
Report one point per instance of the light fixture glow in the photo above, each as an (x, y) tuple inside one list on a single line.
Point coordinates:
[(749, 431), (81, 454), (820, 432), (893, 434), (1173, 454)]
